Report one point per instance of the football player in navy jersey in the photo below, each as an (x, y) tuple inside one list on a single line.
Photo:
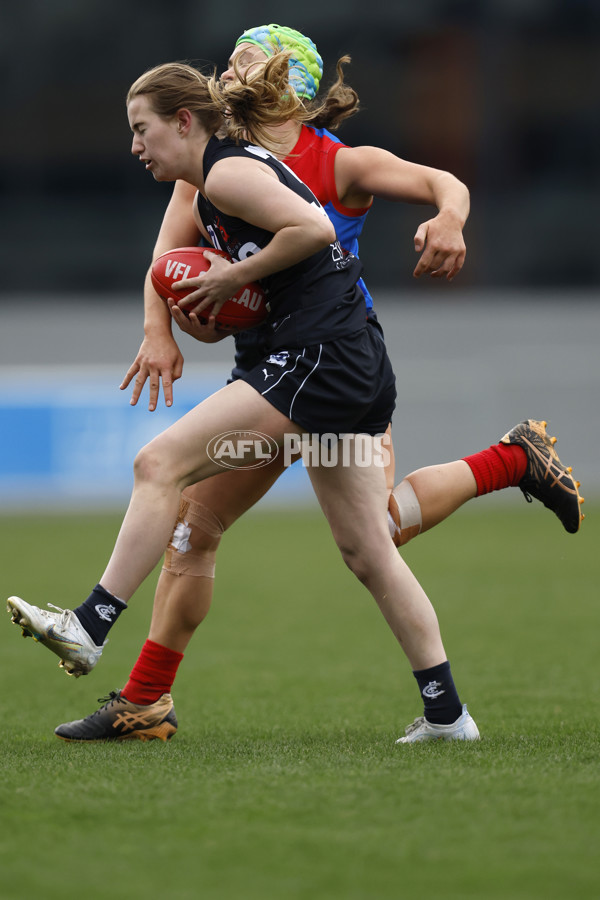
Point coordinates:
[(344, 180), (336, 380)]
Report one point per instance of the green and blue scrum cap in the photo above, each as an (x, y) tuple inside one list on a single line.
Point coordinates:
[(306, 66)]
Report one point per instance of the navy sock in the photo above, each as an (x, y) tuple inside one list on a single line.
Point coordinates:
[(99, 613), (442, 706)]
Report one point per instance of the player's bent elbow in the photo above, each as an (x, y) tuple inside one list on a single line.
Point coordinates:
[(322, 232), (329, 235)]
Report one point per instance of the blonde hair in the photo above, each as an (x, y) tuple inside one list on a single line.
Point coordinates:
[(247, 108), (341, 102), (259, 99), (244, 109)]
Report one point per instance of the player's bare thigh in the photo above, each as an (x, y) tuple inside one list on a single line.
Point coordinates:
[(182, 451), (233, 492), (354, 500)]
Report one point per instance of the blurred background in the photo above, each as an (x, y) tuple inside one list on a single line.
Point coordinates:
[(504, 93)]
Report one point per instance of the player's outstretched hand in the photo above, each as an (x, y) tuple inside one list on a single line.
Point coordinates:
[(158, 360), (441, 245)]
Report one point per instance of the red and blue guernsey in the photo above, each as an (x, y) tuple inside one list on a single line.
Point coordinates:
[(313, 160)]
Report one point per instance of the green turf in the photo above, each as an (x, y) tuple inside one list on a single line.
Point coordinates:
[(283, 780)]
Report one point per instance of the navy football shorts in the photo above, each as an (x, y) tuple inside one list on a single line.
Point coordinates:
[(340, 387)]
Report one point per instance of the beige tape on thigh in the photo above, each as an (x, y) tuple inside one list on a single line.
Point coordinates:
[(185, 554), (404, 514)]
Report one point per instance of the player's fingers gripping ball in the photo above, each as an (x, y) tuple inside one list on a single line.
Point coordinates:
[(245, 309), (306, 65)]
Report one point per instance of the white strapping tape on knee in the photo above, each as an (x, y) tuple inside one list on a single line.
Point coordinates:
[(183, 556), (404, 513)]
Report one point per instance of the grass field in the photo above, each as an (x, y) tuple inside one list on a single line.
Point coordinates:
[(283, 781)]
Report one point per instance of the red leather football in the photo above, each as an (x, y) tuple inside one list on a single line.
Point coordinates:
[(245, 309)]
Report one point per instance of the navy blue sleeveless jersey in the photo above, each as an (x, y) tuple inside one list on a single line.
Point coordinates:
[(315, 300)]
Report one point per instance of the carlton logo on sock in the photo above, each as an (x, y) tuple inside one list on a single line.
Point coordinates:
[(105, 611), (431, 690)]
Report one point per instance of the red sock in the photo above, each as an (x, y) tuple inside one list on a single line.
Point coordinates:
[(153, 674), (498, 467)]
